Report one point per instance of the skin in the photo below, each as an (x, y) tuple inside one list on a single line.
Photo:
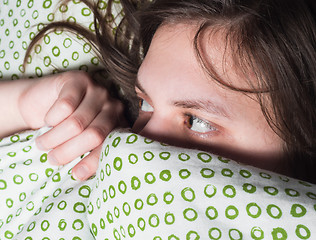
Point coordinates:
[(173, 87), (73, 106)]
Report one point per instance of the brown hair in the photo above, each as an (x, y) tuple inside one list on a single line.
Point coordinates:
[(276, 39)]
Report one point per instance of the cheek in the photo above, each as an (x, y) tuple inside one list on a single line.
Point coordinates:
[(258, 138), (250, 128)]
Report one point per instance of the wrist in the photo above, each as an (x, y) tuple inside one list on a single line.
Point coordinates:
[(10, 97)]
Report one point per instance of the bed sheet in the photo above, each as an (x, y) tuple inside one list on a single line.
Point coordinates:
[(148, 190), (58, 51)]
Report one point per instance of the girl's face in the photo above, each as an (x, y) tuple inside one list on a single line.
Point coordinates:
[(181, 105)]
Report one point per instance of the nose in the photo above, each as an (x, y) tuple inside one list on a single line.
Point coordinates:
[(154, 130), (155, 127), (150, 126)]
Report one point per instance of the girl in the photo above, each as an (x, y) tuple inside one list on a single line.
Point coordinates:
[(234, 77)]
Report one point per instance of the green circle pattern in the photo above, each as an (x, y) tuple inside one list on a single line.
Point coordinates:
[(33, 193), (19, 23), (155, 196), (143, 189), (138, 192)]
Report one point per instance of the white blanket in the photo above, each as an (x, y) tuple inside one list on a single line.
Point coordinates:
[(147, 190)]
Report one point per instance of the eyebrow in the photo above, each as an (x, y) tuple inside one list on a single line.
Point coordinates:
[(204, 105)]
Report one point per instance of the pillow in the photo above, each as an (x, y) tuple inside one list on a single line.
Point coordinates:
[(38, 200), (58, 51), (143, 189), (147, 190)]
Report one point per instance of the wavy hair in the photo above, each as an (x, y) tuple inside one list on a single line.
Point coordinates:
[(275, 40)]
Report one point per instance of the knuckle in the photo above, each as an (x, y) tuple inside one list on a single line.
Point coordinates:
[(67, 75), (105, 95), (84, 77), (101, 92), (81, 76), (114, 106), (75, 74), (96, 135), (77, 124), (63, 78), (67, 105)]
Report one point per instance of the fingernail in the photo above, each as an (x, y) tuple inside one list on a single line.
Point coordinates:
[(39, 144), (81, 173), (52, 160)]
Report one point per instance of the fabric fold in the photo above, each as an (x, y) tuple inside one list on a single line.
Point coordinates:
[(147, 190)]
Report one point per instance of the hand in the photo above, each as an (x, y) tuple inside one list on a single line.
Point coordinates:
[(80, 113)]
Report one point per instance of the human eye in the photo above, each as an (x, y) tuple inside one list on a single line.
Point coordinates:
[(145, 106), (199, 125)]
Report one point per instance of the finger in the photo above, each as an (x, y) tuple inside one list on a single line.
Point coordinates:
[(89, 139), (69, 98), (72, 126), (87, 166)]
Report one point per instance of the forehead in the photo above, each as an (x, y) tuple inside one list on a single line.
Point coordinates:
[(171, 59), (171, 72), (175, 43)]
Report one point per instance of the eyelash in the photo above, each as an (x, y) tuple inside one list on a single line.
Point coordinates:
[(208, 127), (189, 119), (142, 107)]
